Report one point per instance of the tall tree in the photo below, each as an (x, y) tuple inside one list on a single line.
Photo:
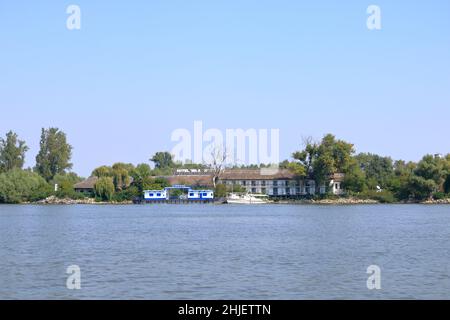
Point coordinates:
[(12, 152), (379, 171), (54, 154), (432, 168), (102, 171), (141, 176), (163, 160), (121, 175), (325, 158), (217, 162), (104, 188)]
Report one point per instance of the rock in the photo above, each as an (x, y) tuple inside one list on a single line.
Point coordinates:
[(440, 201), (67, 201), (337, 201)]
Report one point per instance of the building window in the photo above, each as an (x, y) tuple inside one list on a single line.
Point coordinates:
[(253, 183), (288, 191), (275, 191), (263, 183), (244, 183), (253, 190), (275, 183)]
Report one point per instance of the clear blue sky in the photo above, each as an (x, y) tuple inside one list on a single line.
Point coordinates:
[(137, 70)]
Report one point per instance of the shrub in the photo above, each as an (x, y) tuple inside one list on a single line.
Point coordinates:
[(126, 195), (18, 185), (221, 191), (439, 196), (65, 186), (384, 196), (104, 188)]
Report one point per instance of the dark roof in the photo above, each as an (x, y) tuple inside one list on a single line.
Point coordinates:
[(86, 184), (231, 174), (257, 174), (191, 180)]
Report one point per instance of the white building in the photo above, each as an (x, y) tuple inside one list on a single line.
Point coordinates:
[(283, 183)]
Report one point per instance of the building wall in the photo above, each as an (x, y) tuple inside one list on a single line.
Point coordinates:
[(278, 187)]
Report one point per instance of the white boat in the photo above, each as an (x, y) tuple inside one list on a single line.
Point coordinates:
[(248, 198)]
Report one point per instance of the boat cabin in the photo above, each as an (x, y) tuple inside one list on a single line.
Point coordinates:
[(155, 195), (200, 194)]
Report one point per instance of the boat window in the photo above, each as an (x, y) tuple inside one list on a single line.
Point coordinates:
[(158, 194), (191, 194), (151, 194)]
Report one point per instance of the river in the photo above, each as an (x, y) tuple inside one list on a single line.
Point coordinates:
[(225, 251)]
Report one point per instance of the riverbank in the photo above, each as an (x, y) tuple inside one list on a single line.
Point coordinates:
[(440, 201), (338, 201), (52, 200), (67, 201)]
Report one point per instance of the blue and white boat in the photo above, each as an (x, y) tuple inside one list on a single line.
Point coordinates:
[(192, 195), (150, 195), (200, 194)]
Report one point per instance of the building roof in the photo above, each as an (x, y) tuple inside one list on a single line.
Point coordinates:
[(87, 184), (257, 174), (230, 174), (191, 180)]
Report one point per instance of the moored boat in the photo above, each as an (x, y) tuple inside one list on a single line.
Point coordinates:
[(248, 198)]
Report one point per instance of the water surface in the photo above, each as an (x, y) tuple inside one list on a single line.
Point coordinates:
[(225, 251)]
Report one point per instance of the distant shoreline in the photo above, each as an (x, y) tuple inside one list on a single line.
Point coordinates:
[(330, 202)]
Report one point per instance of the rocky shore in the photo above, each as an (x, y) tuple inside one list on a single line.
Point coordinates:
[(338, 201), (67, 201), (440, 201)]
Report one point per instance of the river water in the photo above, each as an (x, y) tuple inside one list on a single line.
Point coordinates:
[(225, 251)]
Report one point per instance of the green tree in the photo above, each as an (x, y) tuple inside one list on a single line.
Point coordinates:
[(355, 180), (307, 157), (66, 184), (18, 185), (163, 160), (325, 158), (12, 152), (121, 175), (420, 188), (220, 191), (379, 171), (54, 154), (432, 168), (297, 169), (141, 176), (104, 188), (102, 171)]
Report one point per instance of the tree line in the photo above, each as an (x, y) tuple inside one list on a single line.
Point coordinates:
[(373, 176), (366, 175)]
